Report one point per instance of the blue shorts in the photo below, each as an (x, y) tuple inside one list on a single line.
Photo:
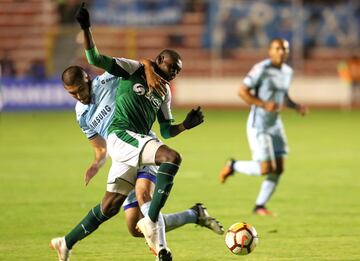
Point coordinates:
[(267, 144), (131, 200)]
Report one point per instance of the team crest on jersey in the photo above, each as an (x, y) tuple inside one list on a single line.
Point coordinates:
[(139, 89), (156, 102)]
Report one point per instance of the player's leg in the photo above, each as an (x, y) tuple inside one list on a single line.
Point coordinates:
[(108, 208), (168, 161), (264, 152), (97, 215), (146, 178), (197, 214), (156, 153), (272, 147), (140, 150), (132, 214), (247, 167), (117, 189)]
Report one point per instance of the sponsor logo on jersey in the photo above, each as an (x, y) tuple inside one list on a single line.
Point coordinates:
[(107, 80), (100, 116), (139, 89), (156, 102)]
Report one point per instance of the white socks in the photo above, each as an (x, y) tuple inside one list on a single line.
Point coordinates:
[(145, 208), (251, 168), (161, 224), (268, 187), (175, 220)]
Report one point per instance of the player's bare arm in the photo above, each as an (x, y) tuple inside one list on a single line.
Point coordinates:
[(250, 99), (300, 108), (98, 143), (154, 81)]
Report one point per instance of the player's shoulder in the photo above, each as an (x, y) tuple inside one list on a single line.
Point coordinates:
[(287, 69), (262, 65), (102, 79), (128, 65), (259, 67), (80, 109), (126, 60)]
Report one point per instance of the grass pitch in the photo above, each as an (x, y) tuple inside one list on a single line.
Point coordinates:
[(43, 157)]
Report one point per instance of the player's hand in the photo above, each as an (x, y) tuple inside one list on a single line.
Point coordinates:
[(193, 118), (271, 106), (156, 83), (83, 17), (90, 173), (302, 109)]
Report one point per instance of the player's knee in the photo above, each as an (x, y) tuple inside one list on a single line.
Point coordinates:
[(111, 210), (273, 177), (111, 206), (266, 169), (143, 196), (173, 157), (279, 170)]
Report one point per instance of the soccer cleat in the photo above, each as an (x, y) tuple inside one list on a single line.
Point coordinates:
[(150, 232), (205, 220), (164, 255), (263, 211), (59, 245), (227, 170)]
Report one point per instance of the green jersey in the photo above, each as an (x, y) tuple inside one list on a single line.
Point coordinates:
[(136, 108)]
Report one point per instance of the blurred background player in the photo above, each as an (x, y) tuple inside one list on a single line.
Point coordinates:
[(349, 72), (265, 88)]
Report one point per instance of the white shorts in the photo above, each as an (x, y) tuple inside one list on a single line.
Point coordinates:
[(127, 156), (269, 144)]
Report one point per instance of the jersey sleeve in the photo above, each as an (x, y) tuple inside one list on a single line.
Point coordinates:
[(252, 79), (120, 67), (128, 65), (164, 114), (89, 132), (93, 57)]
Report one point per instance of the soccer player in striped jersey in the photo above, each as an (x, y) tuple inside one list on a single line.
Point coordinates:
[(265, 88)]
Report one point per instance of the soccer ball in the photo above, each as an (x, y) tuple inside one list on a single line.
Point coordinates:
[(241, 238)]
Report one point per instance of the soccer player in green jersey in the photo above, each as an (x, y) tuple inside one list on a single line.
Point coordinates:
[(128, 142), (94, 110)]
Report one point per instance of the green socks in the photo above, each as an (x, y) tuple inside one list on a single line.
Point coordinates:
[(164, 182), (88, 225)]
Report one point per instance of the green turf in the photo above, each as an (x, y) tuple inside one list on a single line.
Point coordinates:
[(43, 157)]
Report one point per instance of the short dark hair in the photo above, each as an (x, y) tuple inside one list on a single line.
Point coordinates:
[(281, 40), (170, 53), (72, 75)]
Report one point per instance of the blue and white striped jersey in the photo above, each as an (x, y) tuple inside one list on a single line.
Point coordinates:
[(95, 118), (269, 84)]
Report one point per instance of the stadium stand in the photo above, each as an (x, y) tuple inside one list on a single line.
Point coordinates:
[(26, 29), (31, 31)]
